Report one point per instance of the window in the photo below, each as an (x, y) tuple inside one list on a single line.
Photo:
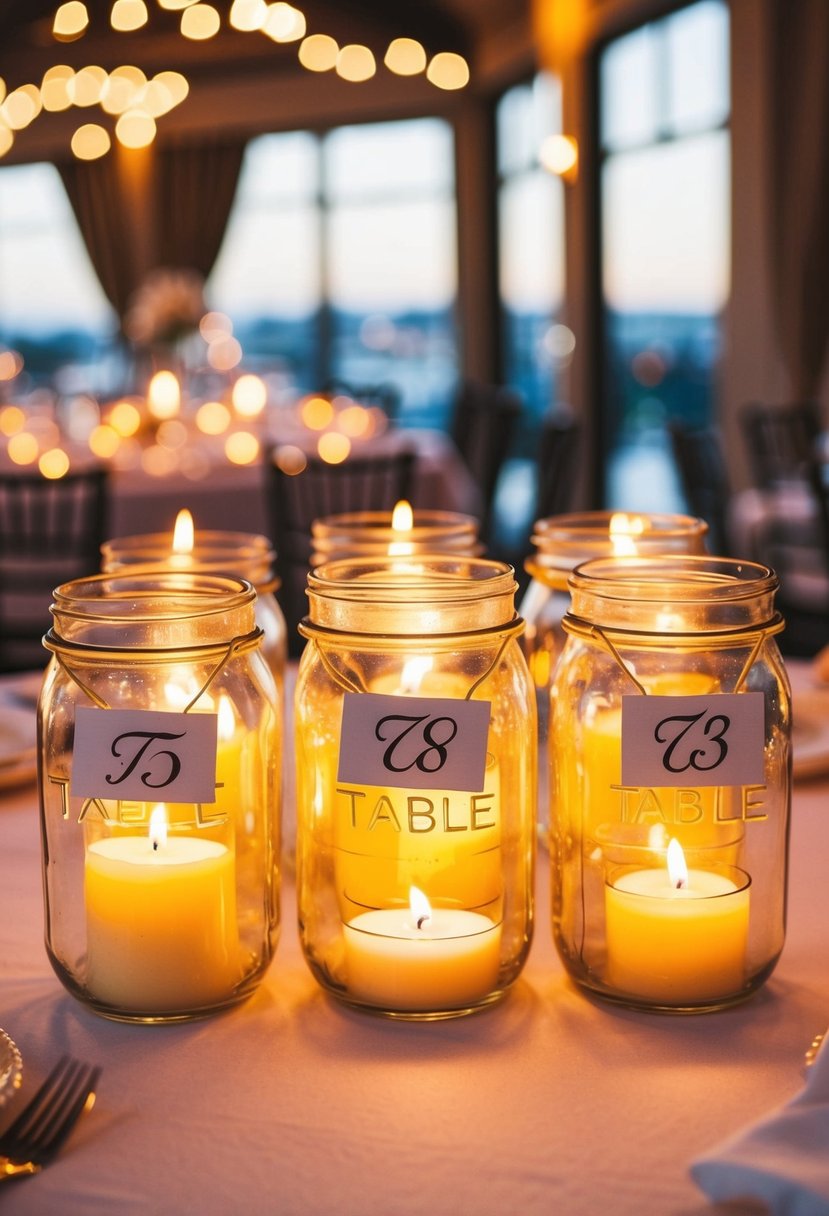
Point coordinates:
[(530, 247), (340, 259), (665, 185), (52, 308)]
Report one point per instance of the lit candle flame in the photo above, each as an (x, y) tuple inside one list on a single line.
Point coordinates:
[(677, 869), (226, 719), (158, 826), (163, 395), (184, 533), (420, 907), (402, 517), (402, 521), (414, 670), (623, 529)]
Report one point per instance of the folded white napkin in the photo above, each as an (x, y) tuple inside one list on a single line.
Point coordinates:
[(784, 1160)]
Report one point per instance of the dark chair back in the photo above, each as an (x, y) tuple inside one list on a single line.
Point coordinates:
[(703, 476), (780, 440), (558, 448), (51, 531), (483, 422), (295, 500)]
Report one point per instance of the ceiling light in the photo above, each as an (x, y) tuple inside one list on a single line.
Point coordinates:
[(448, 71), (318, 53), (284, 23), (90, 141), (405, 57), (70, 21), (128, 15), (135, 129), (200, 21), (355, 63)]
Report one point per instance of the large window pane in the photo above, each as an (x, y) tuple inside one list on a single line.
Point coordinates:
[(665, 211), (389, 158)]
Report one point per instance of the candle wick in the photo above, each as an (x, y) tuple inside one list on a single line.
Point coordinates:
[(423, 920), (680, 884), (155, 846)]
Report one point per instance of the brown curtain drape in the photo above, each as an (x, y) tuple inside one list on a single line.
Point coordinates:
[(160, 206), (195, 188), (96, 193), (799, 164)]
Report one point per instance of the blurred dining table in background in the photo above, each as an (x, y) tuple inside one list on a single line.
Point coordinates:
[(233, 497), (292, 1103)]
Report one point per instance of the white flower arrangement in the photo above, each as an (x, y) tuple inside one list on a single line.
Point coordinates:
[(165, 308)]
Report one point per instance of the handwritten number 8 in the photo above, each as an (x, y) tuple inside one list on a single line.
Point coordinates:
[(433, 757)]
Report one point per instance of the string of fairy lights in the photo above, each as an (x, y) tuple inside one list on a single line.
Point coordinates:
[(134, 102)]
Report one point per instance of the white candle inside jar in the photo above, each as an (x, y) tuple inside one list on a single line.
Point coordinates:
[(419, 959), (676, 936), (161, 920)]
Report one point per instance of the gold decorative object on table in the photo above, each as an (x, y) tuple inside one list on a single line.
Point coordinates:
[(670, 762), (159, 769), (416, 760)]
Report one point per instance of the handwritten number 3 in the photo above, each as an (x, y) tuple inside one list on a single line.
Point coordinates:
[(714, 730), (433, 757)]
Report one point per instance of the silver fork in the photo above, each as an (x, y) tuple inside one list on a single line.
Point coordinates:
[(39, 1131)]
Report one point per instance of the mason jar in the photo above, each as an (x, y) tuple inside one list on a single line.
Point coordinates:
[(241, 554), (560, 543), (402, 532), (159, 752), (671, 769), (416, 761)]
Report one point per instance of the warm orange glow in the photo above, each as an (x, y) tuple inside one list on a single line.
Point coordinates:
[(405, 57), (90, 141), (290, 459), (402, 517), (284, 23), (54, 464), (241, 447), (125, 418), (21, 107), (23, 448), (54, 91), (354, 420), (333, 447), (164, 395), (248, 15), (623, 529), (184, 532), (104, 441), (316, 413), (127, 15), (215, 325), (318, 53), (355, 63), (175, 83), (70, 21), (559, 154), (11, 365), (12, 418), (200, 22), (135, 129), (172, 434), (448, 71), (6, 139), (158, 462), (223, 354), (87, 86), (213, 418), (124, 86), (249, 396), (175, 6)]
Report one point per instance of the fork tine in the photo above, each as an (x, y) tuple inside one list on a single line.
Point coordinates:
[(35, 1106), (42, 1126), (67, 1113)]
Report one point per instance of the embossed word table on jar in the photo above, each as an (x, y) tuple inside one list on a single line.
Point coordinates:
[(415, 730), (160, 740), (670, 749)]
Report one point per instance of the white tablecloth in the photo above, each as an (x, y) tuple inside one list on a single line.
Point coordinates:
[(292, 1104)]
